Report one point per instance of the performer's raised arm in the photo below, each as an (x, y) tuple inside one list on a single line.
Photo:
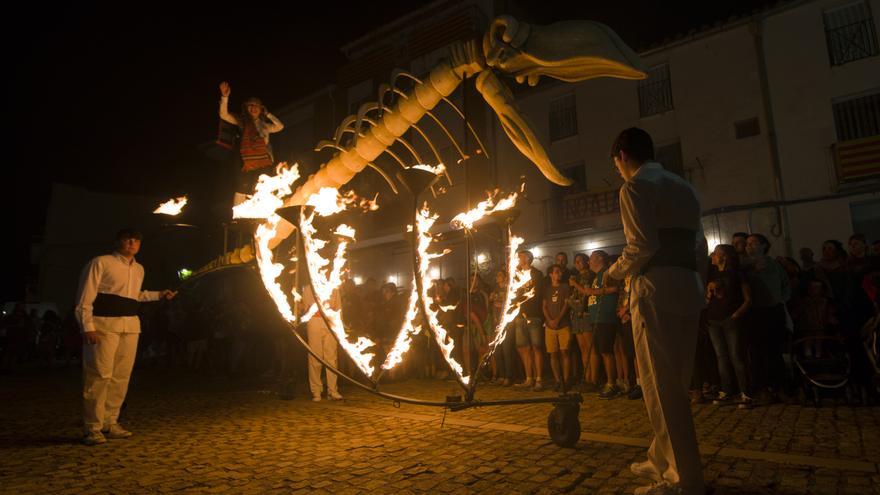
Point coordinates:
[(225, 89)]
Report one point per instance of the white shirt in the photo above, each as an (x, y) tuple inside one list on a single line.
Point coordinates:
[(655, 199), (115, 275)]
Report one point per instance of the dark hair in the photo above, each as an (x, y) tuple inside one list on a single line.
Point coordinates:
[(390, 285), (601, 253), (636, 143), (762, 239), (740, 234), (731, 254), (838, 248), (584, 258), (528, 253), (564, 254), (858, 237), (127, 233), (554, 266)]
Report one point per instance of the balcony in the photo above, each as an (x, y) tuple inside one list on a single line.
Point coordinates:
[(587, 210)]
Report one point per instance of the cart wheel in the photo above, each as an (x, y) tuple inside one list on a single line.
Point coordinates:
[(563, 424)]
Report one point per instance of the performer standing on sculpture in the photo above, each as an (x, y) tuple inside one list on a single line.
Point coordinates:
[(256, 124), (106, 309), (664, 248)]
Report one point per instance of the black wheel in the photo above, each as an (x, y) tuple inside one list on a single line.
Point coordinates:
[(563, 425)]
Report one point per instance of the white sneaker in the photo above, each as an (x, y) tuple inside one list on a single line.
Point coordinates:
[(335, 396), (94, 438), (116, 432), (646, 470), (317, 398), (662, 488)]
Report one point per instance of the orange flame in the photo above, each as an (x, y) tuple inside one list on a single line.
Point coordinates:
[(467, 219), (268, 194), (326, 276), (171, 207)]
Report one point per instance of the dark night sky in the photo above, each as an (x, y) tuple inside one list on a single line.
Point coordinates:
[(118, 97)]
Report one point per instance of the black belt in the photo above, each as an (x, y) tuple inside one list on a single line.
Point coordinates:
[(113, 305), (678, 247)]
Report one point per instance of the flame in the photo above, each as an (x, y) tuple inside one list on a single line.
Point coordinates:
[(517, 279), (467, 219), (326, 276), (440, 169), (424, 221), (268, 194), (407, 331), (171, 207), (269, 270)]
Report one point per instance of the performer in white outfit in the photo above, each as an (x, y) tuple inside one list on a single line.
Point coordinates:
[(324, 344), (106, 309), (666, 254)]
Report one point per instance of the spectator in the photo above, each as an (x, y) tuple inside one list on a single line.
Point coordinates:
[(770, 290), (528, 325), (626, 338), (557, 326), (479, 325), (602, 309), (561, 260), (739, 244), (580, 323), (508, 346), (814, 317), (806, 255), (728, 298), (389, 320)]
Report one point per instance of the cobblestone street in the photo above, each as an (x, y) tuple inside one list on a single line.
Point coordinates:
[(199, 435)]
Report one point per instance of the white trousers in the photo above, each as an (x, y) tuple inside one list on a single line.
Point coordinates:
[(665, 343), (106, 370), (324, 345)]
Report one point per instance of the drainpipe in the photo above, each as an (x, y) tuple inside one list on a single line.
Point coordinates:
[(757, 31)]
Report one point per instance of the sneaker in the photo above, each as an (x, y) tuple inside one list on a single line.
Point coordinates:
[(539, 385), (635, 393), (608, 392), (316, 398), (116, 432), (507, 382), (94, 438), (744, 402), (526, 384), (646, 470), (722, 399), (335, 396)]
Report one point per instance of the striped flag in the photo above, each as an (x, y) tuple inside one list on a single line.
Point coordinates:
[(858, 159)]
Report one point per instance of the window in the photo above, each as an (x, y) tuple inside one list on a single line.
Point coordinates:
[(857, 118), (655, 92), (850, 33), (747, 128), (669, 155), (563, 117), (578, 175)]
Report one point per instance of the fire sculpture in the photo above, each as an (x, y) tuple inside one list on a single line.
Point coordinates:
[(568, 51)]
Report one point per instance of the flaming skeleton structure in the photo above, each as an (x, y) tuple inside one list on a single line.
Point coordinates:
[(568, 51)]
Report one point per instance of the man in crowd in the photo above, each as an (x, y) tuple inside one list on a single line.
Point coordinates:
[(557, 326), (107, 307), (664, 247), (739, 244), (602, 311), (529, 331), (770, 288)]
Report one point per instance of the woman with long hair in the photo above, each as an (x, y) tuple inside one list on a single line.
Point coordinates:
[(728, 297), (255, 123)]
